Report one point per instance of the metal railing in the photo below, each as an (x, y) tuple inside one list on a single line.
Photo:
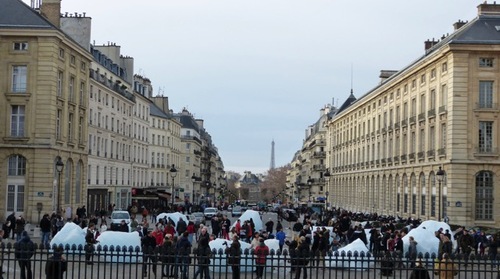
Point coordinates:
[(131, 262)]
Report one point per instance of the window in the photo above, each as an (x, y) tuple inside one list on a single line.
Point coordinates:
[(72, 60), (432, 138), (61, 53), (22, 46), (486, 94), (17, 165), (422, 79), (485, 136), (15, 198), (19, 78), (444, 95), (71, 89), (82, 93), (444, 67), (443, 136), (485, 62), (422, 141), (17, 121), (60, 77), (422, 103), (484, 195), (83, 66), (58, 124), (413, 84), (432, 101), (70, 127), (80, 130), (433, 74)]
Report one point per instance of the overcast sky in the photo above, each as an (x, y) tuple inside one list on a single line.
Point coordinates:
[(261, 70)]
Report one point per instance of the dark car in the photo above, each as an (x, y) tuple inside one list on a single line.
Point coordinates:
[(289, 214)]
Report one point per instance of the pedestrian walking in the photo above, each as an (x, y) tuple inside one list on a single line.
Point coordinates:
[(11, 224), (167, 256), (261, 253), (233, 257), (90, 241), (25, 248), (203, 254), (148, 244), (45, 227), (445, 268), (412, 251), (183, 249), (56, 265), (303, 254), (419, 271)]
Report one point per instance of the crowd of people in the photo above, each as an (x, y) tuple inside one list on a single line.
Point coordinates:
[(170, 244)]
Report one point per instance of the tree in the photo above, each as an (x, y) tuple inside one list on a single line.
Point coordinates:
[(232, 192), (274, 185)]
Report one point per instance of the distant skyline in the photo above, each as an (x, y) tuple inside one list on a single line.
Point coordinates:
[(260, 70)]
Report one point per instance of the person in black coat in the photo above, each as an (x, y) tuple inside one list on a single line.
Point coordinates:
[(45, 227), (148, 244), (11, 221), (25, 249), (303, 254), (56, 265), (89, 241), (419, 271), (234, 256), (387, 264)]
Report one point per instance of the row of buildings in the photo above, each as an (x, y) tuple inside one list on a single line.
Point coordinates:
[(424, 143), (78, 127)]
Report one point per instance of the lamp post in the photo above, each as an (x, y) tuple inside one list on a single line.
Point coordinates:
[(309, 184), (193, 179), (327, 184), (440, 178), (59, 168), (173, 173)]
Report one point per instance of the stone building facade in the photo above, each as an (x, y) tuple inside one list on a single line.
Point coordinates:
[(424, 143)]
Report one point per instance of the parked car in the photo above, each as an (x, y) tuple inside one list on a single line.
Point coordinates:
[(197, 218), (210, 212), (236, 211), (116, 218), (289, 214)]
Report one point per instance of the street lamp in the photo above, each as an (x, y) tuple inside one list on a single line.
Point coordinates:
[(59, 168), (440, 178), (309, 183), (173, 173), (193, 179)]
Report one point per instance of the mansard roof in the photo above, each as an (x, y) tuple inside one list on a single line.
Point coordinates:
[(16, 14)]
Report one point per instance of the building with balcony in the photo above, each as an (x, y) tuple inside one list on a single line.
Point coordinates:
[(423, 143)]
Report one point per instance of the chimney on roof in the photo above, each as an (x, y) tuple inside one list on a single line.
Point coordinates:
[(51, 9), (457, 25), (428, 44), (488, 9)]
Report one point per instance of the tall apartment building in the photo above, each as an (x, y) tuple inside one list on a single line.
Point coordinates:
[(43, 109), (111, 104), (424, 143), (306, 180), (191, 147)]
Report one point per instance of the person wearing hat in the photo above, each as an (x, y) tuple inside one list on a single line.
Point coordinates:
[(261, 252), (419, 271)]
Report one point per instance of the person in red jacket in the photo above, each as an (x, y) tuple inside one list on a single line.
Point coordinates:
[(169, 229), (191, 231), (158, 235), (261, 253)]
